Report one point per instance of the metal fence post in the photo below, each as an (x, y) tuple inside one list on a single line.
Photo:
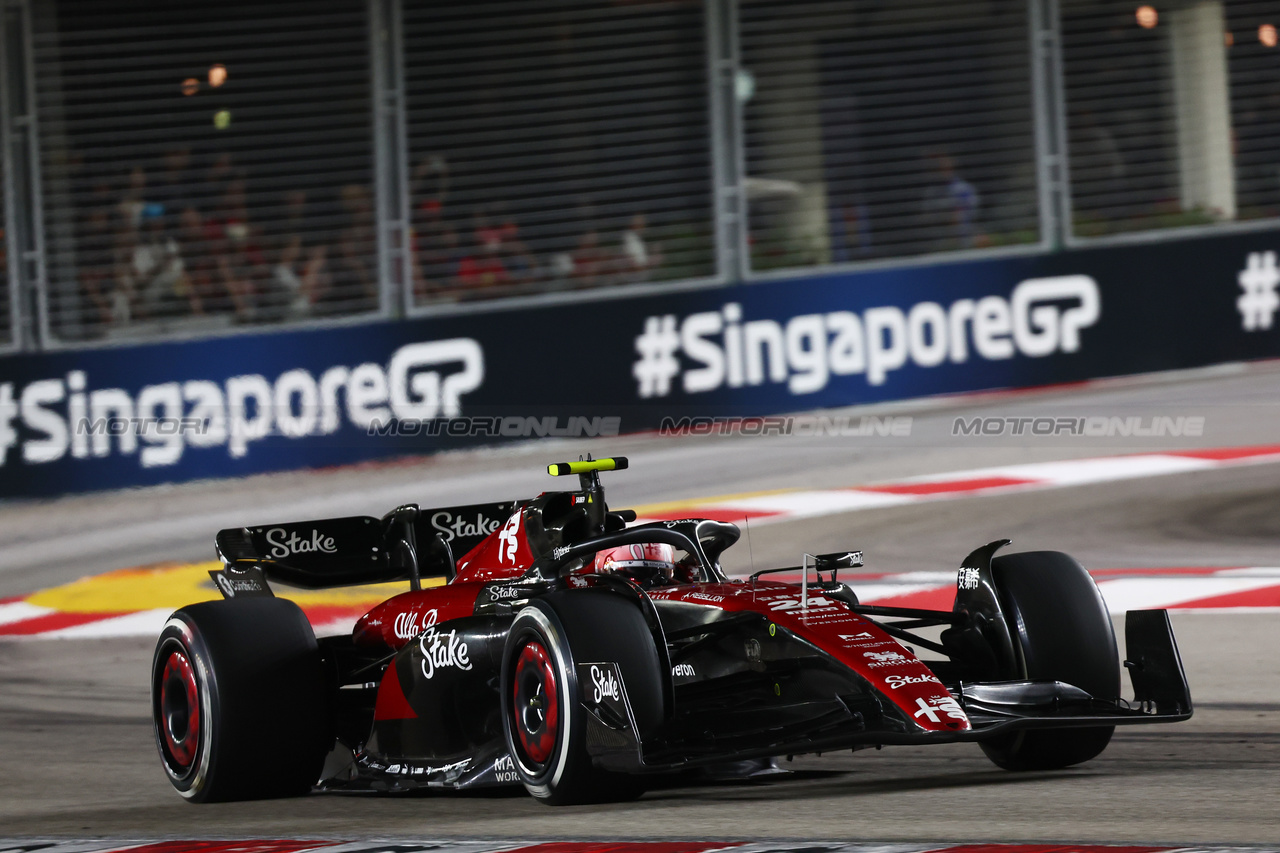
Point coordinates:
[(23, 216), (11, 248), (391, 181), (1049, 103), (727, 155)]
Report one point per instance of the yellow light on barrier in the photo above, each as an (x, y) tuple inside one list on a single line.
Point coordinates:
[(222, 119)]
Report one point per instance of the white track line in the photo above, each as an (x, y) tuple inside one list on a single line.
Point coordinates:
[(20, 611), (1149, 593), (145, 623)]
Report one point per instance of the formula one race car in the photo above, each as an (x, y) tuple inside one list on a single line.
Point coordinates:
[(577, 655)]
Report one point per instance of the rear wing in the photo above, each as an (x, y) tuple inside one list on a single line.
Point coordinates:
[(407, 544)]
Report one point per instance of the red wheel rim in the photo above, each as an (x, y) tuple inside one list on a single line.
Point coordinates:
[(179, 710), (535, 702)]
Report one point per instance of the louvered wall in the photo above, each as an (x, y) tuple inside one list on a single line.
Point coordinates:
[(567, 146)]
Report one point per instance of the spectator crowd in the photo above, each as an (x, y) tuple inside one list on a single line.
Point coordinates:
[(478, 250), (176, 239)]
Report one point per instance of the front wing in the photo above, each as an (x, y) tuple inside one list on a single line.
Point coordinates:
[(1161, 695)]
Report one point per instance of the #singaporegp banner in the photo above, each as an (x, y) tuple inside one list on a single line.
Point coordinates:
[(164, 412)]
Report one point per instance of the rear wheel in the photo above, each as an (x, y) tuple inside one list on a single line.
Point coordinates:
[(543, 718), (240, 701), (1062, 632)]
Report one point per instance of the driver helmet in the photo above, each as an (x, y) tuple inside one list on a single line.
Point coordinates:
[(649, 558)]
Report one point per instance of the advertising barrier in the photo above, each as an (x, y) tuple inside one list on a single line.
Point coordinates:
[(165, 412)]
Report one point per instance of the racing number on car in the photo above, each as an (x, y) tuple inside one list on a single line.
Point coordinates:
[(507, 539)]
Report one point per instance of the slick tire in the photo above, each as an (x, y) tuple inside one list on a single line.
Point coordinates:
[(543, 719), (1062, 631), (240, 701)]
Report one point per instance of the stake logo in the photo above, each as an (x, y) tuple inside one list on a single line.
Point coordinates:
[(442, 651), (604, 685), (895, 681), (452, 528), (282, 546)]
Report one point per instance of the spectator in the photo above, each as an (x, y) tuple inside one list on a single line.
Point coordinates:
[(484, 233), (97, 246), (128, 220), (950, 206), (430, 181), (517, 257), (1098, 171), (355, 278), (561, 269), (156, 279), (174, 188), (298, 263), (482, 268), (198, 254), (639, 257), (214, 183), (239, 259), (134, 199), (435, 250), (434, 242), (851, 232), (590, 260)]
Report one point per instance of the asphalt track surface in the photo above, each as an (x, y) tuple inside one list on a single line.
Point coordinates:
[(77, 758)]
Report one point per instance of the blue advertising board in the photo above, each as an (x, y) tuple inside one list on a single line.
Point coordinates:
[(164, 412)]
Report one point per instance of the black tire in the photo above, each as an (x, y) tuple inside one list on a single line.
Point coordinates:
[(240, 701), (546, 640), (1061, 631)]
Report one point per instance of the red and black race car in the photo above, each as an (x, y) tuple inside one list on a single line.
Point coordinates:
[(576, 655)]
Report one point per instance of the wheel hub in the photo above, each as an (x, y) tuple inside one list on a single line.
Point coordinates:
[(535, 703), (180, 710)]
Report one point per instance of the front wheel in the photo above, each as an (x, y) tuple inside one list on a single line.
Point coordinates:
[(1062, 632), (543, 718), (240, 701)]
